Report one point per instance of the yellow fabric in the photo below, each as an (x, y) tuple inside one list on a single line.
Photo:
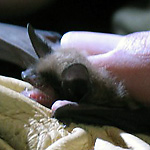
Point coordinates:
[(27, 125)]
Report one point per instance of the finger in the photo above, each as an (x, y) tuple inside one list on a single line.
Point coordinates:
[(103, 60), (91, 42), (133, 51), (130, 62)]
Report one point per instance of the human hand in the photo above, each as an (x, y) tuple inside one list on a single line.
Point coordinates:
[(127, 57)]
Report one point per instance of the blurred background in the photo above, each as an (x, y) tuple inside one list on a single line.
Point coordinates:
[(109, 16)]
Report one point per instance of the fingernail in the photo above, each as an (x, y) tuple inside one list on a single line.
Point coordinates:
[(65, 40)]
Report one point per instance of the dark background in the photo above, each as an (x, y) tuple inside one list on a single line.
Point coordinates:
[(63, 16)]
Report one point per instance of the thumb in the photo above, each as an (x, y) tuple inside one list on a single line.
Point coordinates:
[(130, 62)]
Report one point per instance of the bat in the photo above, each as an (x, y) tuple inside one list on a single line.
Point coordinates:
[(90, 96)]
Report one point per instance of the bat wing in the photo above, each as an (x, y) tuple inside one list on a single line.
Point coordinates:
[(15, 45), (133, 121)]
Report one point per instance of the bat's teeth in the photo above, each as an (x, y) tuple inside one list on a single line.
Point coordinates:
[(26, 89)]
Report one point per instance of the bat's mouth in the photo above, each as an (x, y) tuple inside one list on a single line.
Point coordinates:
[(46, 100), (42, 93), (40, 97)]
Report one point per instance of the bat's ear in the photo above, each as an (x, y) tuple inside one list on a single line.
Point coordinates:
[(40, 47), (75, 82)]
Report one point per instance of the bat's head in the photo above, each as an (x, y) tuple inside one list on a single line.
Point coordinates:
[(61, 71)]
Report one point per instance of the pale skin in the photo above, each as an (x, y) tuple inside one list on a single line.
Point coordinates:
[(127, 57)]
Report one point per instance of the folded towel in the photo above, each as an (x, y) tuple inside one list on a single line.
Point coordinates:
[(27, 125)]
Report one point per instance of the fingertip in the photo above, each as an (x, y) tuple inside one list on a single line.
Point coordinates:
[(66, 38)]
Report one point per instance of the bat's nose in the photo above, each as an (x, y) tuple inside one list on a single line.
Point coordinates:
[(23, 75), (28, 75)]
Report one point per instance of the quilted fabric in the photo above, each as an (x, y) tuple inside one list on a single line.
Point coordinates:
[(27, 125)]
